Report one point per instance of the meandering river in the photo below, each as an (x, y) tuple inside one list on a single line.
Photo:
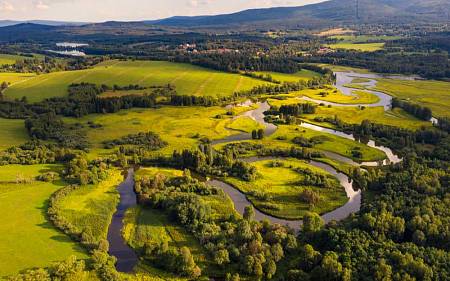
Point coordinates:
[(127, 258), (343, 79)]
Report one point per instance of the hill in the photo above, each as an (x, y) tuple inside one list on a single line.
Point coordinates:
[(325, 13), (43, 22)]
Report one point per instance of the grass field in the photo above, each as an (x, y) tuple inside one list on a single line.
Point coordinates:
[(331, 95), (188, 79), (27, 239), (434, 94), (284, 191), (181, 127), (92, 206), (10, 59), (355, 115), (286, 133), (13, 133), (364, 38), (363, 47), (396, 117), (15, 78), (302, 75), (244, 124)]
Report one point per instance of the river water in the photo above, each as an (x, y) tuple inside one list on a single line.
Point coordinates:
[(118, 247)]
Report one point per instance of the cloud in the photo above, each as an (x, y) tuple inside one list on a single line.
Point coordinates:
[(197, 3), (40, 5), (6, 7)]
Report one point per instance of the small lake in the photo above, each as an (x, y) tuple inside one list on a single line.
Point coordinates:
[(71, 45)]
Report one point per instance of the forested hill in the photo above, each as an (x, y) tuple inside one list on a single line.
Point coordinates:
[(326, 13)]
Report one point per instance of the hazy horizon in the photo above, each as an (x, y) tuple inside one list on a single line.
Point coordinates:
[(132, 10)]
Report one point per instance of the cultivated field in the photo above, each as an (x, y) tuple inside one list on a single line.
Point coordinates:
[(188, 79)]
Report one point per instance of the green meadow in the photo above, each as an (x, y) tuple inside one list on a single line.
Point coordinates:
[(434, 94), (286, 133), (180, 127), (28, 239), (283, 192), (13, 133), (15, 78), (353, 115), (364, 38), (332, 95), (244, 124), (396, 117), (188, 79), (363, 47), (10, 59), (92, 206), (302, 75)]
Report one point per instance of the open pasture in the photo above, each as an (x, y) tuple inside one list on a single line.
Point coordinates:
[(433, 94), (330, 95), (355, 115), (302, 75), (281, 196), (188, 79), (25, 232), (364, 38), (363, 47), (180, 127), (327, 142), (15, 78), (10, 59), (92, 206), (13, 133)]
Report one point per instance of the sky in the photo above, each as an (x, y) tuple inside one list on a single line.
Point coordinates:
[(126, 10)]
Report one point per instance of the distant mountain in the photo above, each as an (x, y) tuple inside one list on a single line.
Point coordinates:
[(4, 23), (325, 13), (27, 31)]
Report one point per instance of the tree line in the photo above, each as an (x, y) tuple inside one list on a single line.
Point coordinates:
[(421, 112)]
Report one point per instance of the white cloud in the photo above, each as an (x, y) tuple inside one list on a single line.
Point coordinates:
[(40, 5), (196, 3), (6, 7)]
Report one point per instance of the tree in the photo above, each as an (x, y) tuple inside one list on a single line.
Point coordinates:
[(312, 222), (221, 257), (277, 252), (249, 213), (271, 269), (383, 271), (260, 134), (188, 266), (308, 257), (330, 269)]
